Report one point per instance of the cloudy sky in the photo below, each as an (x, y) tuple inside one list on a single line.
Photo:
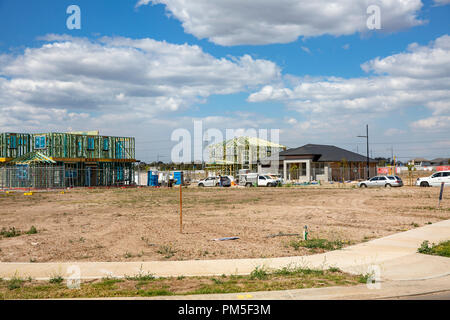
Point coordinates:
[(313, 69)]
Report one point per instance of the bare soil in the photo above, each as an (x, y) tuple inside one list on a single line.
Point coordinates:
[(143, 224)]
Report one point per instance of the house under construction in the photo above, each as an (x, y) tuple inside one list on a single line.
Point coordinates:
[(57, 160), (229, 156)]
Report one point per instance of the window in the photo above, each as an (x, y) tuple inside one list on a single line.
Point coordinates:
[(446, 174), (437, 175), (262, 178), (91, 143), (119, 174), (269, 151), (105, 144), (12, 142), (391, 178), (39, 142), (119, 150), (382, 178), (318, 168), (374, 179), (80, 147)]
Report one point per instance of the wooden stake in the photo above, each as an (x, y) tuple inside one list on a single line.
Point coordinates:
[(181, 210)]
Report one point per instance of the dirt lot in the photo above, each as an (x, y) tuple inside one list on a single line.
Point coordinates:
[(143, 224)]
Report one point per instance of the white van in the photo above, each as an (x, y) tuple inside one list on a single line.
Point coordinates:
[(434, 180)]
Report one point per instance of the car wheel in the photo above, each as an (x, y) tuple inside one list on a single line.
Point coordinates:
[(201, 185), (387, 185), (424, 184), (248, 185), (363, 185)]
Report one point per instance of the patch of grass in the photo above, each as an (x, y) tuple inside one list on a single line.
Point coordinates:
[(167, 251), (32, 230), (364, 277), (10, 233), (317, 244), (146, 285), (415, 225), (441, 249), (15, 283), (56, 279), (259, 273)]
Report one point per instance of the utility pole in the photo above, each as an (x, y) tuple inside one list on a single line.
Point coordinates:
[(367, 139)]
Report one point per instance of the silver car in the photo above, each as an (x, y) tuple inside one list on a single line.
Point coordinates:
[(382, 181)]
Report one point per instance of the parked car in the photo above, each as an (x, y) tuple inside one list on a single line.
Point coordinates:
[(434, 180), (257, 180), (225, 181), (382, 181), (209, 182)]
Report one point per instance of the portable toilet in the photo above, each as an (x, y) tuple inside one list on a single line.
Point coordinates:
[(178, 175), (152, 180)]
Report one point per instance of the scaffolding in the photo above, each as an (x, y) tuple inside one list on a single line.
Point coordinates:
[(58, 177), (75, 159)]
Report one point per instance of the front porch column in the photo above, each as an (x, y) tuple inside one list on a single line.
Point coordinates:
[(308, 170), (284, 170)]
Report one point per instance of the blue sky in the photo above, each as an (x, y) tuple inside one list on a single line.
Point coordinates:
[(303, 73)]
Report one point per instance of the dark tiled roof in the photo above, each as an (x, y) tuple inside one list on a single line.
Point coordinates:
[(325, 153)]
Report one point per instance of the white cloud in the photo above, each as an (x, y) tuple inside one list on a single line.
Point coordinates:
[(236, 22), (394, 132), (435, 123), (73, 76), (418, 77), (441, 2), (306, 49)]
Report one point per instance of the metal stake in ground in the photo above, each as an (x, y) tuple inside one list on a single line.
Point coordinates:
[(441, 194), (181, 210)]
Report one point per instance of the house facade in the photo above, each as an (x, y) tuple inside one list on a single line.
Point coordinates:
[(314, 162)]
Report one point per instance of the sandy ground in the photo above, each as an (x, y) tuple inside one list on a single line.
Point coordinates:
[(143, 224)]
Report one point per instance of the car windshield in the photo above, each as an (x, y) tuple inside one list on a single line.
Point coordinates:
[(268, 177)]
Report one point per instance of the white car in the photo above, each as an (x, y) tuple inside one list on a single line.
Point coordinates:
[(209, 182), (382, 181), (434, 180)]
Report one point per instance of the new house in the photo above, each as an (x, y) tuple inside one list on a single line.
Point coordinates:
[(316, 162)]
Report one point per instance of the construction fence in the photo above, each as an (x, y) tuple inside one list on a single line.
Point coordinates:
[(59, 177)]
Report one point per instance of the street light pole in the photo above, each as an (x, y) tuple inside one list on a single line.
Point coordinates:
[(367, 139)]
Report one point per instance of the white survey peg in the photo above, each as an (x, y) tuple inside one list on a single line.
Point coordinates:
[(305, 233)]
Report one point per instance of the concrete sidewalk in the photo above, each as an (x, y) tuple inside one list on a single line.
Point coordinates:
[(395, 256), (386, 290)]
